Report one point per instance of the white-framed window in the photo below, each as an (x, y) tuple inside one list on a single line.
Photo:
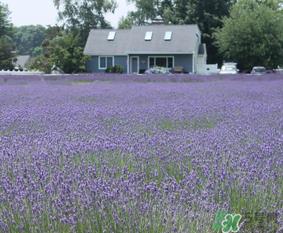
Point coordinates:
[(168, 36), (111, 36), (161, 61), (148, 36), (105, 62)]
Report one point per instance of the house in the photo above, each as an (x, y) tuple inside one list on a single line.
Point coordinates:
[(143, 47), (21, 61)]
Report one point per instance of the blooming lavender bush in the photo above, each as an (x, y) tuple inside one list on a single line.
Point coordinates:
[(82, 155)]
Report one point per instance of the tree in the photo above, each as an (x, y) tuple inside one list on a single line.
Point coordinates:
[(28, 38), (80, 17), (63, 52), (126, 22), (253, 34), (6, 45)]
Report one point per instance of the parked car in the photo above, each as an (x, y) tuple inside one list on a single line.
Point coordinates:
[(258, 70), (279, 70), (229, 68)]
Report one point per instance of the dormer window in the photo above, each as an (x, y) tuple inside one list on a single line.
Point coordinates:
[(111, 36), (148, 36), (168, 36)]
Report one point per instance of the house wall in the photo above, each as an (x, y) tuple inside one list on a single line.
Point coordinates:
[(121, 61), (92, 64), (184, 60)]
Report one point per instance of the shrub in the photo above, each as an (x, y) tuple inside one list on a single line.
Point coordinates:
[(115, 69)]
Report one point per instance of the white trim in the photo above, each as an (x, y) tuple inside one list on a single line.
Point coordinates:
[(148, 60), (106, 62), (138, 61), (193, 63), (128, 64), (162, 53)]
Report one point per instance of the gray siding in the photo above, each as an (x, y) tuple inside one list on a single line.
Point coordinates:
[(184, 60), (121, 61), (92, 64)]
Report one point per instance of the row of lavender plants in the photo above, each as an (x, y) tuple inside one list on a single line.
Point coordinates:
[(84, 156)]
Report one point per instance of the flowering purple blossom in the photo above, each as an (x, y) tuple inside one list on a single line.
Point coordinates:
[(81, 155)]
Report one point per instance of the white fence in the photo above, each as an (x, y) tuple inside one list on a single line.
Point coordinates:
[(8, 72)]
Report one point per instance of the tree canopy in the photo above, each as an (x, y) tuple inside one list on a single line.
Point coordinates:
[(27, 39), (62, 51), (6, 44), (253, 34), (63, 46), (82, 16)]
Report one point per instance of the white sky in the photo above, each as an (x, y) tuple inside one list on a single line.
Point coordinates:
[(27, 12)]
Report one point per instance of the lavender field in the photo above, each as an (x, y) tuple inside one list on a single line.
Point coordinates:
[(83, 155)]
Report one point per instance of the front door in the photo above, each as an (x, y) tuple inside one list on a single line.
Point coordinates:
[(134, 65)]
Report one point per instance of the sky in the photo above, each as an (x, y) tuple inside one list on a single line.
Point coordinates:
[(27, 12)]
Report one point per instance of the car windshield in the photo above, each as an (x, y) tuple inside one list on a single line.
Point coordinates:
[(259, 70), (229, 68)]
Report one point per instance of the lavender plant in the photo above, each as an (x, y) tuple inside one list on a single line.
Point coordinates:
[(82, 155)]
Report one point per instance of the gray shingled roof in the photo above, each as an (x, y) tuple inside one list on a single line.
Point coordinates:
[(97, 43), (184, 40)]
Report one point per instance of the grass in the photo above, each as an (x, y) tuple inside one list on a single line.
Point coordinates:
[(193, 124), (87, 99), (81, 82)]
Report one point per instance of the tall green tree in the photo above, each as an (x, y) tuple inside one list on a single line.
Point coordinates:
[(81, 16), (6, 44), (126, 22), (60, 49), (253, 34), (28, 38)]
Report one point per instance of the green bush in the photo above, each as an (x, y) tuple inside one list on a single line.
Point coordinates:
[(115, 69)]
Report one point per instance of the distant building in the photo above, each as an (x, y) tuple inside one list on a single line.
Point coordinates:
[(22, 61), (143, 47)]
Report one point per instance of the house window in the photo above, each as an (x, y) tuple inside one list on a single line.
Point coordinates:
[(111, 36), (168, 36), (151, 62), (163, 61), (102, 63), (170, 62), (105, 62), (148, 36)]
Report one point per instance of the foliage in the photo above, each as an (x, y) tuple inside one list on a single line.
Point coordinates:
[(81, 16), (62, 51), (6, 44), (28, 38), (115, 69), (126, 22), (253, 34)]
